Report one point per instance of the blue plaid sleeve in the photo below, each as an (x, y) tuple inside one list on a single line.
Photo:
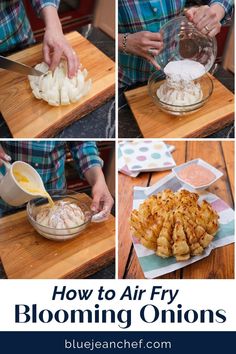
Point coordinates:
[(86, 155), (227, 6), (38, 5)]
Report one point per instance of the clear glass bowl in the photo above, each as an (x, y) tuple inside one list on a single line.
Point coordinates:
[(154, 83), (183, 41), (34, 206)]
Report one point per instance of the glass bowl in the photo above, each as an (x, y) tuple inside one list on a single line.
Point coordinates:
[(35, 205), (182, 40), (154, 83)]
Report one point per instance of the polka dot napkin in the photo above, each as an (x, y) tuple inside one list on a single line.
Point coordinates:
[(122, 167), (145, 155)]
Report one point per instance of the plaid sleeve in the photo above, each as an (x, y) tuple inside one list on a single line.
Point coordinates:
[(86, 155), (227, 6), (38, 5)]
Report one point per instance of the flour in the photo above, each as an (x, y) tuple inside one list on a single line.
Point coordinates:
[(179, 87), (186, 70), (183, 94), (62, 215)]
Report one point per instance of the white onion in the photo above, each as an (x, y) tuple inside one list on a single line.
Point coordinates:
[(56, 88)]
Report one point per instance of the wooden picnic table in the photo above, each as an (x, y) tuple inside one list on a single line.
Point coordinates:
[(220, 263)]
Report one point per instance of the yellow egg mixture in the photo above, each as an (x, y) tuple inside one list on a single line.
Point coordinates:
[(30, 186)]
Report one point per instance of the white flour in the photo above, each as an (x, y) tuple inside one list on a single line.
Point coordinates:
[(186, 70), (183, 94), (62, 215), (179, 88)]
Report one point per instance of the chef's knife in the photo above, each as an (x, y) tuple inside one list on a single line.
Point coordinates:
[(12, 65)]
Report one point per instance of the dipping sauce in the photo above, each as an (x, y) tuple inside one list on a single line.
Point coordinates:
[(196, 175), (30, 187)]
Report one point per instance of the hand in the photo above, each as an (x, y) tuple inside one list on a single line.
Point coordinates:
[(102, 199), (55, 45), (145, 44), (4, 156), (206, 18)]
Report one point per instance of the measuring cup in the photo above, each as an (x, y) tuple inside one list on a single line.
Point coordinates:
[(11, 191)]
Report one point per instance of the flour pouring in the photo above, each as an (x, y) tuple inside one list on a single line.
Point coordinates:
[(180, 89), (186, 59), (186, 70)]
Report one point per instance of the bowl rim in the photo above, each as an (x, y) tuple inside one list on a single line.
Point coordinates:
[(65, 195), (185, 106), (183, 18)]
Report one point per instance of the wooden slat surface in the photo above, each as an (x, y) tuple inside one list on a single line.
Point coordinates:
[(217, 113), (220, 263), (228, 153), (26, 254), (28, 117), (125, 207)]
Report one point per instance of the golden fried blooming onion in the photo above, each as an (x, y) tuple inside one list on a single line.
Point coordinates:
[(174, 224)]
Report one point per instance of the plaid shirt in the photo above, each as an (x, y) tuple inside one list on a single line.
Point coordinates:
[(48, 158), (15, 30), (142, 15)]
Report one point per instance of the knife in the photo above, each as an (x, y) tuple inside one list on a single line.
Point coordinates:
[(12, 65)]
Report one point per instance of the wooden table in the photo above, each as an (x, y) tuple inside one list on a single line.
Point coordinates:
[(220, 263)]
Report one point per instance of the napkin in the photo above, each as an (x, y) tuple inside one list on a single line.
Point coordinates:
[(144, 156), (154, 266)]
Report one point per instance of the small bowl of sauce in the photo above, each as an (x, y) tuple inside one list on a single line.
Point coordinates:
[(197, 174)]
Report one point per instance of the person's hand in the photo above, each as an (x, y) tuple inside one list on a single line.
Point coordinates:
[(206, 18), (145, 44), (4, 156), (55, 45), (102, 199)]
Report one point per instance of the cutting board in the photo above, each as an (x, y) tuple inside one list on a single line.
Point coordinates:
[(28, 117), (217, 113), (27, 255)]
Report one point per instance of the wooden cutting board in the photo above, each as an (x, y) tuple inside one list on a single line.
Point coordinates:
[(28, 117), (27, 255), (217, 113)]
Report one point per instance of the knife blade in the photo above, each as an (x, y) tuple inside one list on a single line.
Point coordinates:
[(17, 67)]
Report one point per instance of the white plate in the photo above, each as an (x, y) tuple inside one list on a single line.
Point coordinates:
[(218, 174)]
